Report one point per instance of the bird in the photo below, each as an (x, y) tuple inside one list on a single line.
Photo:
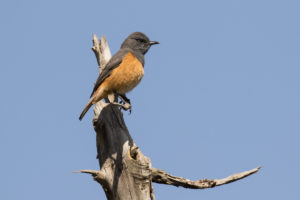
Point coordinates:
[(124, 70)]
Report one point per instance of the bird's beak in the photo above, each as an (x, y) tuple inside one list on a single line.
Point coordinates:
[(153, 42)]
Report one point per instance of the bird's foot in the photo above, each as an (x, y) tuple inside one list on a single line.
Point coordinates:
[(125, 102), (125, 106)]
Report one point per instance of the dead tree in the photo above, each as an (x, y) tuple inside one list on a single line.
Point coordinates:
[(125, 173)]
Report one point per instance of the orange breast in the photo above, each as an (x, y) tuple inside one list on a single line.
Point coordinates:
[(125, 77)]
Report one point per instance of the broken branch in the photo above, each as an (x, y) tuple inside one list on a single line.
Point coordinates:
[(162, 177)]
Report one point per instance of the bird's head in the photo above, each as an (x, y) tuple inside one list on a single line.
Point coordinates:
[(139, 42)]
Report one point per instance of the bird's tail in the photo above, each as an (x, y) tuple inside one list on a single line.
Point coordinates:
[(87, 107)]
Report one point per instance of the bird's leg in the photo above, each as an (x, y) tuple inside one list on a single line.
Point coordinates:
[(124, 98), (125, 101), (112, 100)]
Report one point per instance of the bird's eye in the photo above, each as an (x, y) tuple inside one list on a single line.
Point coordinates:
[(141, 40)]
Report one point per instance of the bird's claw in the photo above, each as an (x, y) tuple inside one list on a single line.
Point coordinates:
[(125, 102), (125, 106)]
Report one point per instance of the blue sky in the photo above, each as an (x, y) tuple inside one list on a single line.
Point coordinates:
[(220, 94)]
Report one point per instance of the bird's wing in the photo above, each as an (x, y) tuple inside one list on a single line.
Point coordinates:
[(114, 62)]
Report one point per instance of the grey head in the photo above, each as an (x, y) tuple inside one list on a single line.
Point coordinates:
[(138, 42)]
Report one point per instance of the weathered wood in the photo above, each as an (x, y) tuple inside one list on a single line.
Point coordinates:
[(125, 173), (127, 170), (162, 177), (103, 54)]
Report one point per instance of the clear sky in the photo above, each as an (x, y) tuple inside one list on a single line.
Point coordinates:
[(220, 95)]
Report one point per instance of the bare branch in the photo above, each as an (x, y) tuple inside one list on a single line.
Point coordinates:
[(162, 177), (102, 51), (103, 54), (236, 176), (96, 48)]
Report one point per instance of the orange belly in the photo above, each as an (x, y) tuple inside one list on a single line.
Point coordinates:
[(123, 78)]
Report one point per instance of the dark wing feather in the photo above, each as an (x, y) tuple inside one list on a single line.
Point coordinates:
[(114, 62)]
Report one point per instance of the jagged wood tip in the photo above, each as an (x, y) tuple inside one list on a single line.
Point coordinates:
[(87, 171), (236, 176), (96, 48), (99, 176)]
